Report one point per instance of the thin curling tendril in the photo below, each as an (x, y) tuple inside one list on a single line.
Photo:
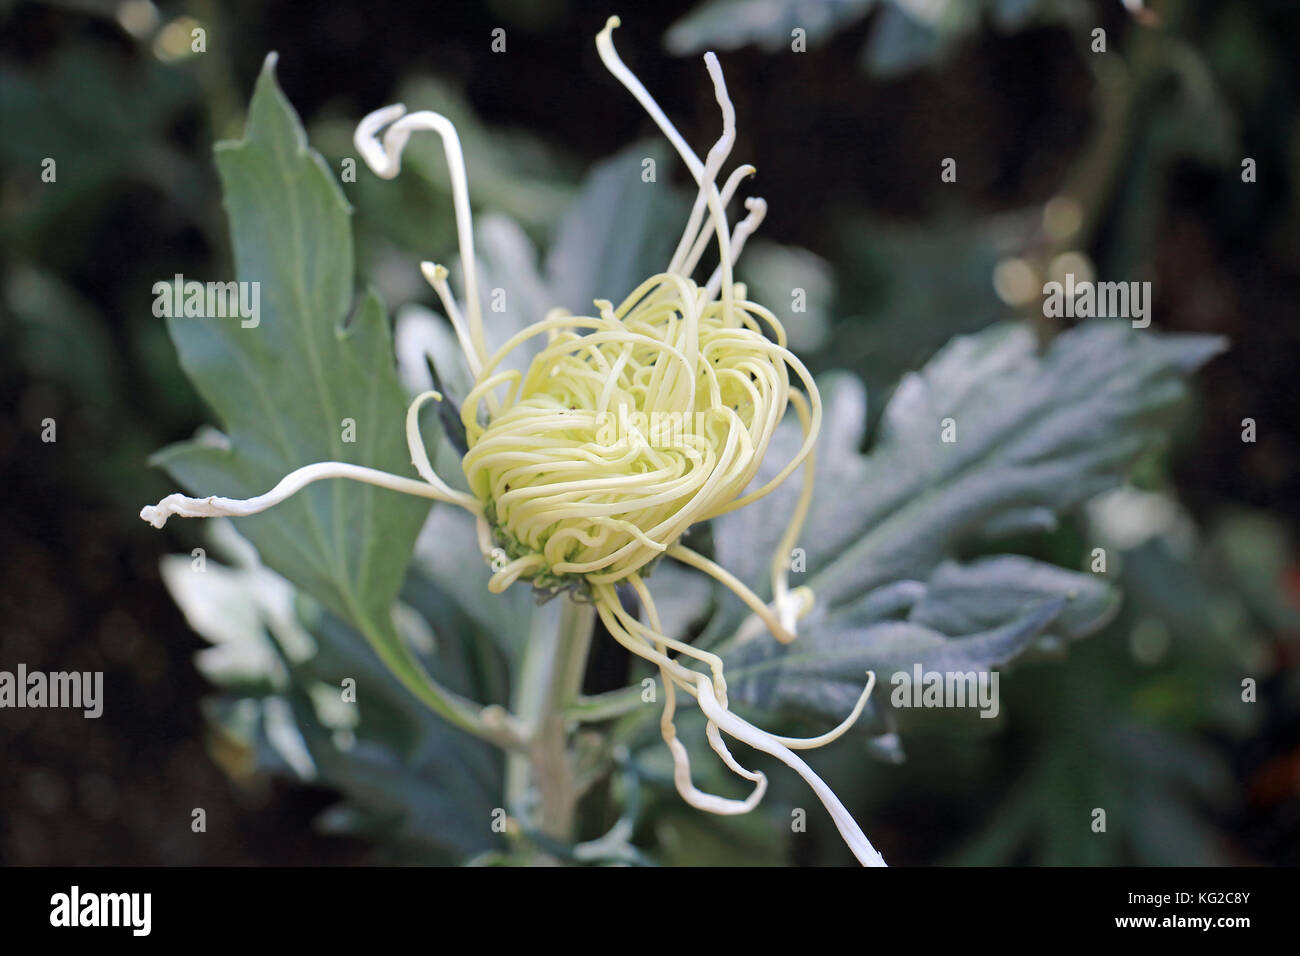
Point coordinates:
[(627, 428)]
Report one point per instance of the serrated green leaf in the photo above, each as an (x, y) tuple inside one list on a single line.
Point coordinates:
[(1036, 435), (968, 598), (282, 388), (823, 672)]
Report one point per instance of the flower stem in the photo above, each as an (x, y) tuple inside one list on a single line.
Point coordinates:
[(541, 782), (607, 706)]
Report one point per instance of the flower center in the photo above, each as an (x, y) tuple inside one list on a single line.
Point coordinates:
[(615, 441)]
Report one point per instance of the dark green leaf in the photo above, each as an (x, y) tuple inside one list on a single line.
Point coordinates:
[(283, 388), (1036, 435)]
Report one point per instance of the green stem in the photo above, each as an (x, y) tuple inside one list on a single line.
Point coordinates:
[(606, 706), (541, 782), (492, 723)]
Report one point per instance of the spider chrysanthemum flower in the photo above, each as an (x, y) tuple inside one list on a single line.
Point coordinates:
[(627, 427)]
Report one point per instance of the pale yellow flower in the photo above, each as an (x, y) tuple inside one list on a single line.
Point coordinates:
[(627, 427)]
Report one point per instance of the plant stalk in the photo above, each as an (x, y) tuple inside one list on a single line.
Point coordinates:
[(541, 782)]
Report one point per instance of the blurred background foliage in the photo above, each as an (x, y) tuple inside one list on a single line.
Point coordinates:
[(1123, 164)]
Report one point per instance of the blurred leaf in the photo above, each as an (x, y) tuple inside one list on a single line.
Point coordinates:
[(90, 117), (1258, 558), (1177, 114), (618, 232), (901, 41), (728, 24), (887, 283), (1154, 784), (1188, 618), (59, 335), (775, 273), (905, 35), (408, 778), (1121, 730)]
